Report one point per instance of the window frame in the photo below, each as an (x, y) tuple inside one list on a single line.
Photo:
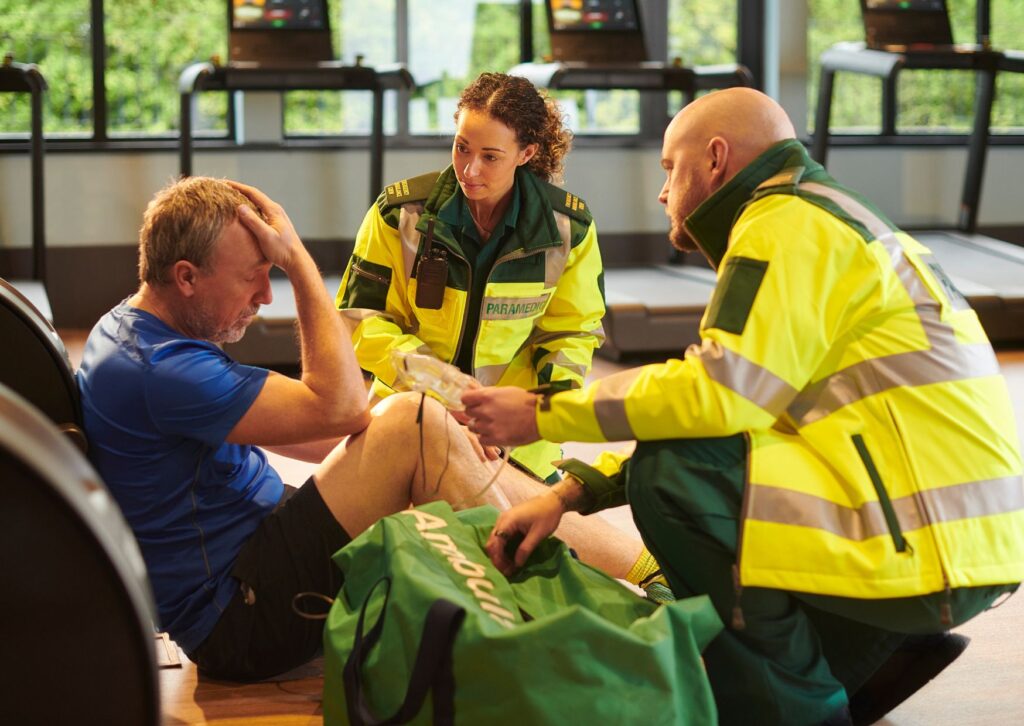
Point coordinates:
[(752, 17), (922, 138)]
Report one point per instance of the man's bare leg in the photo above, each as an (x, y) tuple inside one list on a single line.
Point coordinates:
[(382, 471)]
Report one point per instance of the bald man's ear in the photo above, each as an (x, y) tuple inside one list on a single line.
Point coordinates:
[(718, 161), (183, 277)]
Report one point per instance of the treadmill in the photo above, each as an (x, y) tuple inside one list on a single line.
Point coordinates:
[(988, 272), (649, 308)]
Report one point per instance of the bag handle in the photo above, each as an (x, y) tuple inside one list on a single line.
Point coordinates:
[(432, 669)]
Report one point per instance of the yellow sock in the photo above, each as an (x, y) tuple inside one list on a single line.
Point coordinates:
[(644, 567)]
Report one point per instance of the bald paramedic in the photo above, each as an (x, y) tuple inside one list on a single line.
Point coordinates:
[(836, 463)]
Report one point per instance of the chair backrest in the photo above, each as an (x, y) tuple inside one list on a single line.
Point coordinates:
[(76, 604), (35, 363)]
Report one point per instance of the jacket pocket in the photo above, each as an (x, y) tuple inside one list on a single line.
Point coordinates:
[(883, 496)]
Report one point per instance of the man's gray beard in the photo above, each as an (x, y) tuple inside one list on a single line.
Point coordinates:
[(231, 335), (198, 326)]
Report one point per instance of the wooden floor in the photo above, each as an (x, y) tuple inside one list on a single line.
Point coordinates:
[(984, 686)]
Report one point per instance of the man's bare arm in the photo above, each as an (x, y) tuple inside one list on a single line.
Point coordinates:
[(330, 399)]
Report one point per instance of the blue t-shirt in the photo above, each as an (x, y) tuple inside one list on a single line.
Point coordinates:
[(157, 407)]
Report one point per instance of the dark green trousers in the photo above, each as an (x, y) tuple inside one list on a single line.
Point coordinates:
[(798, 655)]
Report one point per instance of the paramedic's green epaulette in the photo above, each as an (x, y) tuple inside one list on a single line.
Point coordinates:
[(413, 189), (568, 203)]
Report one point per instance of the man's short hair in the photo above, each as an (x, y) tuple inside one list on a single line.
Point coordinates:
[(182, 222)]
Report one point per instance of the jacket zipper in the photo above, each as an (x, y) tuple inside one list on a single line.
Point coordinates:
[(370, 275), (469, 291), (946, 608), (514, 255)]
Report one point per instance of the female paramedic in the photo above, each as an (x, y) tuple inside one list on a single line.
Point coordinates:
[(486, 264)]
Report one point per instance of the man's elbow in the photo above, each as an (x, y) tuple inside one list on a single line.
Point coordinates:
[(350, 419), (360, 421)]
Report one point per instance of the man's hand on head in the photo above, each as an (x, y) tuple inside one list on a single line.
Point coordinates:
[(504, 416), (276, 237)]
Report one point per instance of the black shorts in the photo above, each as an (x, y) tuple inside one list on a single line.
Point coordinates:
[(259, 634)]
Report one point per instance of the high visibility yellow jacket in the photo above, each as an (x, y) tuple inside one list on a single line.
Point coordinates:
[(540, 317), (883, 451)]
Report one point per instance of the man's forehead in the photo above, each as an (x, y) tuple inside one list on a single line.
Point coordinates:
[(676, 135), (237, 243)]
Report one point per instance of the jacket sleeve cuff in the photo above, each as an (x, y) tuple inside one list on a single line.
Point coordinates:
[(602, 492)]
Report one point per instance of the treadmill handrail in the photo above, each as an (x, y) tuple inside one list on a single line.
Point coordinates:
[(27, 78), (326, 76), (886, 64), (645, 76)]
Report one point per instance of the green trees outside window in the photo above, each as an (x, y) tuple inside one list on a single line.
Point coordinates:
[(57, 36), (929, 101), (149, 42)]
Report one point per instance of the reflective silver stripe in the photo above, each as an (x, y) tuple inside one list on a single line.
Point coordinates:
[(974, 499), (490, 375), (785, 506), (610, 405), (559, 358), (871, 221), (741, 375), (542, 337), (555, 259), (947, 504), (513, 308), (358, 315), (946, 360), (939, 364), (929, 310), (408, 218)]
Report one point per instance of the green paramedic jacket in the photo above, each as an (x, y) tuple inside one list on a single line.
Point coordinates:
[(540, 319), (883, 451)]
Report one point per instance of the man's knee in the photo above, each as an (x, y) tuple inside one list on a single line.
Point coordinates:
[(397, 404), (408, 410)]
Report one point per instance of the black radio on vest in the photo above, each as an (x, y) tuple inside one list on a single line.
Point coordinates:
[(431, 273)]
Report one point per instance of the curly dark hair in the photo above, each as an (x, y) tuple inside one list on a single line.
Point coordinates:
[(534, 116)]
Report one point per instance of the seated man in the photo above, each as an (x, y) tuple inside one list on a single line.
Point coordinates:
[(836, 464), (174, 425)]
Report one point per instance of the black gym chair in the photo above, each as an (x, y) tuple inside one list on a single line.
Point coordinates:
[(76, 606), (35, 363)]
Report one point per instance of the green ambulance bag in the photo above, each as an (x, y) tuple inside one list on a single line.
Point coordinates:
[(426, 630)]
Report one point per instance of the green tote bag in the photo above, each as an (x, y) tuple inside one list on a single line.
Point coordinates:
[(426, 630)]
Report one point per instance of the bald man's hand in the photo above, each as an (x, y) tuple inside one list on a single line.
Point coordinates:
[(503, 416)]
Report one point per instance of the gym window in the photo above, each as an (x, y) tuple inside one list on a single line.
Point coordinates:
[(148, 44), (929, 102), (129, 93)]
